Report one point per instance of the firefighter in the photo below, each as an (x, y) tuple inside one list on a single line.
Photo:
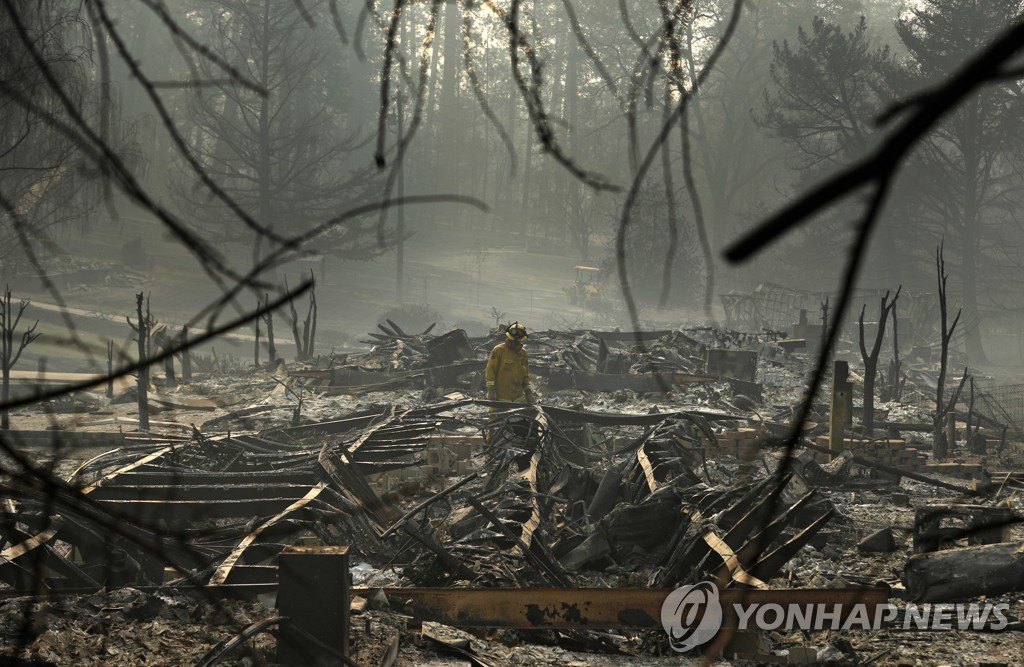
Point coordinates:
[(508, 372)]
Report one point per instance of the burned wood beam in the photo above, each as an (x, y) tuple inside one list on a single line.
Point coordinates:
[(11, 555), (222, 572), (24, 576), (236, 414), (647, 468), (216, 493), (342, 378), (748, 550), (172, 477), (181, 512), (349, 481), (841, 404), (530, 476), (766, 568), (753, 548), (548, 568), (737, 550), (758, 514), (664, 456), (730, 563), (770, 531), (981, 524), (94, 529), (868, 463), (740, 500)]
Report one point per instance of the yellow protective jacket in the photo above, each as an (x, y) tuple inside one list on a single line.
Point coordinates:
[(508, 372)]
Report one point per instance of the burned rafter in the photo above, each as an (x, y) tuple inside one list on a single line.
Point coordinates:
[(25, 551), (733, 542), (221, 574), (667, 453), (25, 573)]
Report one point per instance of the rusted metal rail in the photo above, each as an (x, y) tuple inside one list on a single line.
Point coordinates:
[(596, 608)]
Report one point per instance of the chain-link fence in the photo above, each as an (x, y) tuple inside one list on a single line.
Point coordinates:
[(778, 308), (1003, 404)]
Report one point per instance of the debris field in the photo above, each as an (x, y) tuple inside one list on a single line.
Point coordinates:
[(375, 507)]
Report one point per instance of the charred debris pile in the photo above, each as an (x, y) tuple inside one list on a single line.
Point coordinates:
[(652, 460)]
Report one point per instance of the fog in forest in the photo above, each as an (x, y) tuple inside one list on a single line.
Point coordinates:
[(455, 162)]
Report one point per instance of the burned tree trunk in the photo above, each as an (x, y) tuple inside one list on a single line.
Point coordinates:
[(256, 346), (304, 341), (8, 355), (268, 317), (309, 326), (956, 574), (871, 359), (169, 370), (895, 390), (110, 369), (299, 350), (186, 357), (143, 374), (940, 446), (824, 325)]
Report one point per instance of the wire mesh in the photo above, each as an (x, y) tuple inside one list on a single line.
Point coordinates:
[(1003, 404)]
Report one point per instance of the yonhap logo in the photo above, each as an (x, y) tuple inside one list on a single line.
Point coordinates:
[(691, 615)]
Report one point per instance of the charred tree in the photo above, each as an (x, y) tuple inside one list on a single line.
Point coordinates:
[(304, 341), (871, 359), (256, 345), (142, 335), (186, 357), (309, 325), (294, 321), (268, 318), (110, 369), (824, 325), (940, 445), (895, 388), (946, 416), (9, 356), (170, 380)]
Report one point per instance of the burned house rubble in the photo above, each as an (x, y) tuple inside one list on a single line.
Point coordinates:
[(375, 507)]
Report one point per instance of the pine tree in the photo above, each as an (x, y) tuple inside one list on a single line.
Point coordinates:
[(957, 177)]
